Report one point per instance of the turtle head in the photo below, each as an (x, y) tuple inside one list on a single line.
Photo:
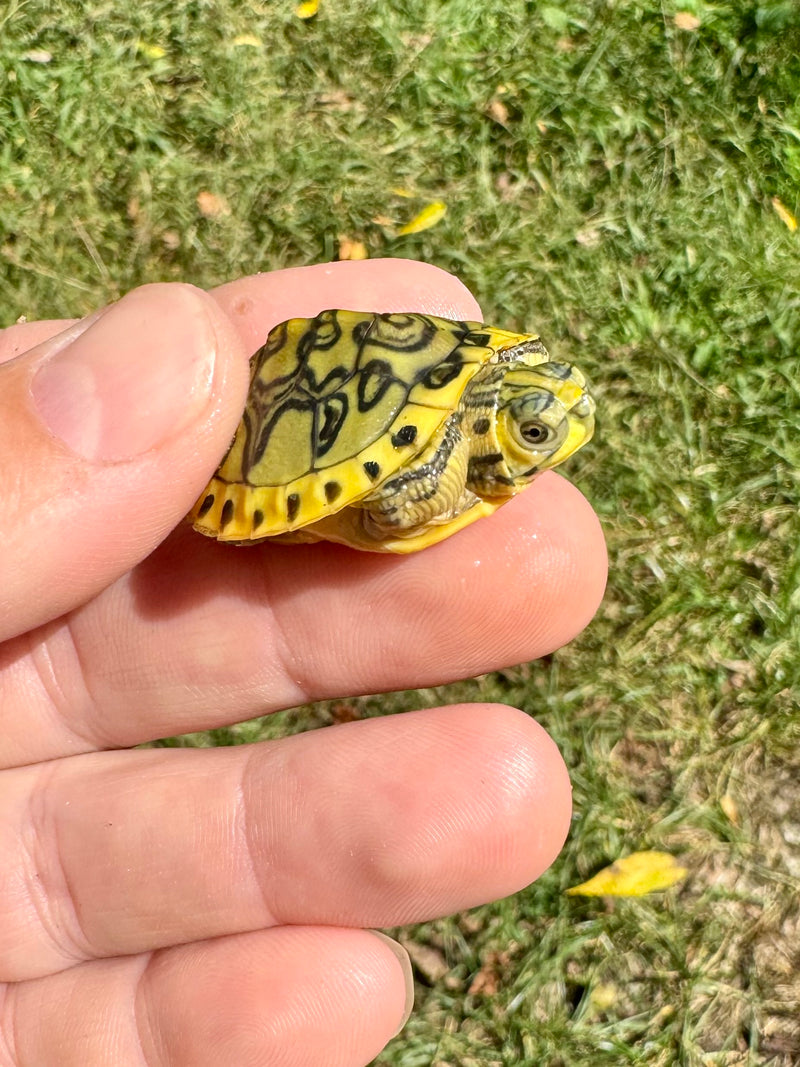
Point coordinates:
[(544, 413)]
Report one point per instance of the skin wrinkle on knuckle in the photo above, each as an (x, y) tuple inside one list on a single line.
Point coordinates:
[(362, 864), (52, 667), (285, 854), (297, 841), (50, 893), (8, 1026), (144, 1010), (300, 686), (246, 828)]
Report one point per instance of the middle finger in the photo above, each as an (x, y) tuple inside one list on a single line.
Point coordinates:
[(201, 634)]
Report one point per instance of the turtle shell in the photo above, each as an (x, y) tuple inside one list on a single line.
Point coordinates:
[(338, 404)]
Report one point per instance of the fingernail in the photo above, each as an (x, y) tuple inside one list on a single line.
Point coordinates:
[(408, 974), (131, 378)]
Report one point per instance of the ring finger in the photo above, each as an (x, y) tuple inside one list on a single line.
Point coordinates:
[(374, 823)]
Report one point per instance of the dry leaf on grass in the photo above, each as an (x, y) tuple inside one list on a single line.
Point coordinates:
[(211, 205), (350, 249)]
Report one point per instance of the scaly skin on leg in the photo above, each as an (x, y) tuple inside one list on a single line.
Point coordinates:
[(430, 491), (436, 494)]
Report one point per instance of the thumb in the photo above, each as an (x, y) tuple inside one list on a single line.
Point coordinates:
[(108, 433)]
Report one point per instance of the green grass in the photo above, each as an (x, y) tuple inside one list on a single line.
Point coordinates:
[(609, 179)]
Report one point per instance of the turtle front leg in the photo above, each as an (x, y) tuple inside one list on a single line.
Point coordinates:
[(432, 491)]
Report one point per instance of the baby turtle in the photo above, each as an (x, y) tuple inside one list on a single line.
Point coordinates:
[(390, 432)]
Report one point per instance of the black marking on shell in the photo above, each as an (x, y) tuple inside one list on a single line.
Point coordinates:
[(373, 469), (324, 332), (227, 514), (362, 330), (481, 426), (473, 337), (373, 381), (406, 435), (333, 411), (259, 429), (276, 340), (335, 377), (258, 518), (292, 506), (401, 332), (443, 373), (206, 506), (332, 491)]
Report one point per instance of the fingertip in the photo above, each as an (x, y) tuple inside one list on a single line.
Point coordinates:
[(554, 541), (528, 793), (304, 995), (260, 301)]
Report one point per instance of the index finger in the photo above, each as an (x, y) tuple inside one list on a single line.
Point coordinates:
[(202, 634)]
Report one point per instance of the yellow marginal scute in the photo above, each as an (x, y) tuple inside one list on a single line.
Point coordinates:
[(284, 508)]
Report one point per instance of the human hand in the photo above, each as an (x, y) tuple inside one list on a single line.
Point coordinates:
[(187, 906)]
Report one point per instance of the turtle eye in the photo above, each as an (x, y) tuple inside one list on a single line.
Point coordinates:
[(534, 432)]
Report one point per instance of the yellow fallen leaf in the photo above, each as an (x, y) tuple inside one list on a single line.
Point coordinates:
[(350, 249), (429, 216), (633, 876), (247, 39), (685, 20), (784, 214), (151, 51), (307, 9), (399, 190)]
